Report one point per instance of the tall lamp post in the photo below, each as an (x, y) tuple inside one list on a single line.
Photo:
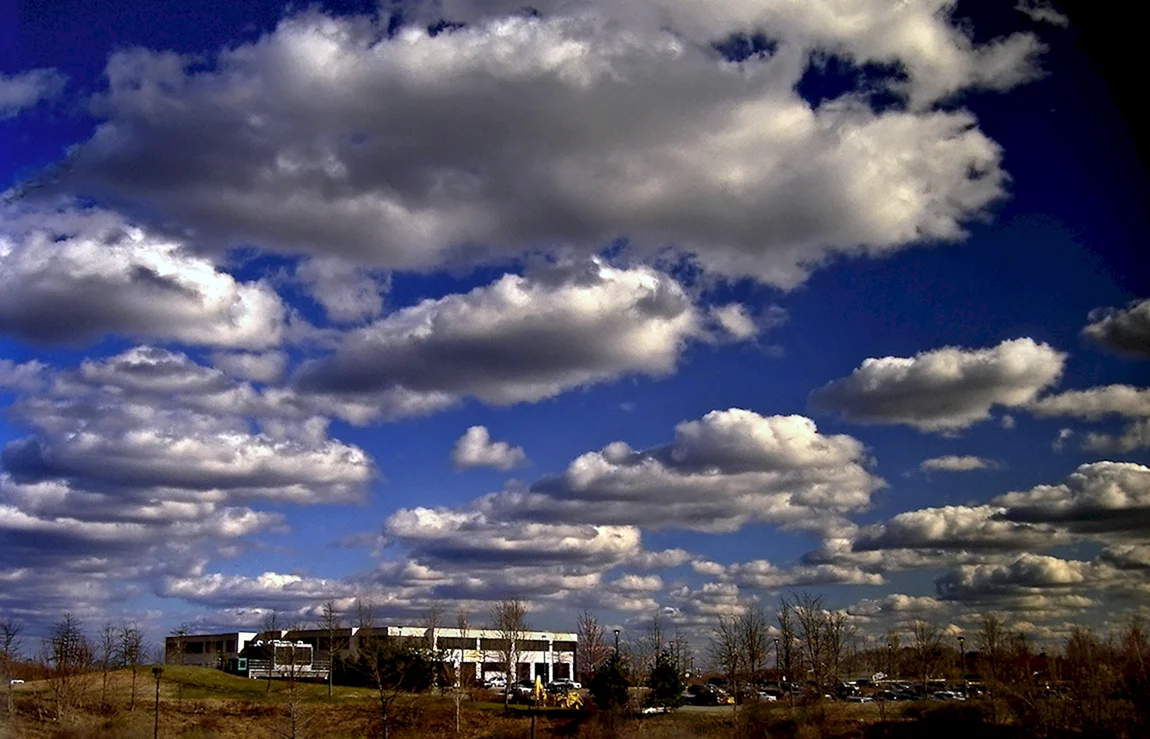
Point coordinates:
[(616, 641), (962, 661), (157, 671), (890, 659)]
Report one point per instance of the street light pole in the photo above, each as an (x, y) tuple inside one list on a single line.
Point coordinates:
[(962, 661), (890, 659), (616, 641)]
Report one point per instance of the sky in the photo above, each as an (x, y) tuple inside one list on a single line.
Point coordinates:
[(650, 308)]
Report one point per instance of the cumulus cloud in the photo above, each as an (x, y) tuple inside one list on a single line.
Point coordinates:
[(266, 367), (348, 293), (1096, 497), (764, 575), (1095, 403), (721, 472), (76, 276), (955, 463), (521, 339), (24, 376), (269, 589), (943, 390), (1134, 436), (954, 528), (1028, 572), (460, 536), (19, 92), (1123, 330), (476, 449), (333, 138)]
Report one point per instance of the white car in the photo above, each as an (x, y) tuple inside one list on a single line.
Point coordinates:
[(567, 685), (495, 682), (16, 682)]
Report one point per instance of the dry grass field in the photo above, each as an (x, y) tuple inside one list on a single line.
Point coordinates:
[(199, 703)]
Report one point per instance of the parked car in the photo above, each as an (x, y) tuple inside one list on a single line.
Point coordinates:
[(856, 698), (947, 695), (707, 695), (562, 686), (16, 682), (495, 682)]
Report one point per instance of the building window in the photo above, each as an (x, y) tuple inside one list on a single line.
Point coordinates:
[(562, 671), (564, 646)]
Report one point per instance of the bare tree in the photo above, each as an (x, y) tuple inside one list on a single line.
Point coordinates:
[(786, 620), (329, 622), (459, 689), (726, 647), (131, 653), (811, 618), (107, 642), (753, 630), (927, 648), (10, 645), (293, 697), (377, 659), (509, 620), (992, 641), (69, 655), (590, 645), (271, 625), (839, 638), (679, 649)]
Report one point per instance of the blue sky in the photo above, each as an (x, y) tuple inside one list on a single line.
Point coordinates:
[(645, 311)]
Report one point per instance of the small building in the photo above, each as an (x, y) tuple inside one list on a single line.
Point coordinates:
[(206, 650), (473, 654)]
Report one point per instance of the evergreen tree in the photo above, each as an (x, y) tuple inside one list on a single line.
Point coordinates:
[(665, 683), (609, 684)]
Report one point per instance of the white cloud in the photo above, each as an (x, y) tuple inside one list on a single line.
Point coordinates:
[(1042, 11), (726, 470), (1124, 330), (762, 574), (1095, 403), (264, 367), (26, 376), (937, 54), (348, 293), (476, 449), (519, 339), (977, 528), (954, 463), (24, 90), (474, 538), (331, 138), (1097, 497), (1059, 442), (76, 276), (1134, 436), (943, 390), (1028, 572), (735, 320)]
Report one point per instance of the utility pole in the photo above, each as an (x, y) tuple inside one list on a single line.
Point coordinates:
[(157, 671)]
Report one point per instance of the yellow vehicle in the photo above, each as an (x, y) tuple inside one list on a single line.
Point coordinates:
[(569, 699)]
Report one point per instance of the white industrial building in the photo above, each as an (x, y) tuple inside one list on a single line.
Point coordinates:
[(476, 654)]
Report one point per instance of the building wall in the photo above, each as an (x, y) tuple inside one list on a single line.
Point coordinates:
[(205, 650), (549, 655)]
